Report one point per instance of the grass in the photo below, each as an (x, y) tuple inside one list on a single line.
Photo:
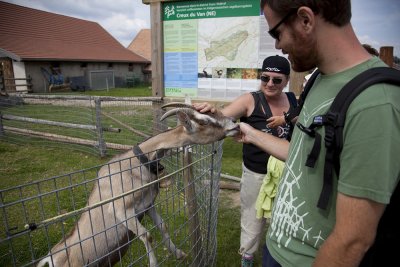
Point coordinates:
[(141, 90), (30, 162)]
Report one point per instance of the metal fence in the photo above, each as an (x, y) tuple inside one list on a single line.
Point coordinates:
[(37, 215)]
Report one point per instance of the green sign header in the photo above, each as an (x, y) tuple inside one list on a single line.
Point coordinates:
[(210, 9)]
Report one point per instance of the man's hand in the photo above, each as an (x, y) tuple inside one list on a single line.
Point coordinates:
[(277, 147), (245, 131)]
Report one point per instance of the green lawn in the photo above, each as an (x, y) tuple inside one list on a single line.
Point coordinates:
[(141, 90)]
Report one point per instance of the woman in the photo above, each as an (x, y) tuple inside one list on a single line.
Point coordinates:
[(256, 108)]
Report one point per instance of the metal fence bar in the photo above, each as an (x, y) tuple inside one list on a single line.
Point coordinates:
[(99, 128)]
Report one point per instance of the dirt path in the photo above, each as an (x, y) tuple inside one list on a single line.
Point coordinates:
[(233, 197)]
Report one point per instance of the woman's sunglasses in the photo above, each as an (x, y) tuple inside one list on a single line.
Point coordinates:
[(274, 80)]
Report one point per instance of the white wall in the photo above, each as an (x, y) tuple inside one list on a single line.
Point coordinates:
[(19, 72)]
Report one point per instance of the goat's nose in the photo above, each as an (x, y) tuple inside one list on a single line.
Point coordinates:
[(232, 120), (236, 128)]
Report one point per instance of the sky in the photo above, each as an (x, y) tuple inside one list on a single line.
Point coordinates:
[(375, 22)]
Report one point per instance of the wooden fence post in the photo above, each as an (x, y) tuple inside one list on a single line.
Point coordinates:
[(1, 125), (192, 207), (386, 54), (296, 81)]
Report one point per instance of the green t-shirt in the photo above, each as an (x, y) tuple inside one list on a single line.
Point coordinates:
[(369, 165)]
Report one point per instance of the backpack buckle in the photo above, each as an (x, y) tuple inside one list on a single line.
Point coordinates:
[(304, 129), (331, 118), (329, 137)]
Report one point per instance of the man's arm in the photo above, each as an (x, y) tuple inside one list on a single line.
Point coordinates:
[(354, 232), (277, 147), (241, 106)]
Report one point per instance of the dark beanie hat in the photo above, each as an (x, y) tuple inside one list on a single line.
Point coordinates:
[(276, 64)]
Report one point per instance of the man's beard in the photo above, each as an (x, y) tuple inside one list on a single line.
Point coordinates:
[(303, 56)]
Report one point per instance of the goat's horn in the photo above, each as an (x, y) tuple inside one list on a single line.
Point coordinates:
[(174, 111), (178, 105)]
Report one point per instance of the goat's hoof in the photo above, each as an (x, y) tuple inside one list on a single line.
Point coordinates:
[(180, 254)]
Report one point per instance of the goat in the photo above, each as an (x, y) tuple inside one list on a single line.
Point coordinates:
[(100, 237)]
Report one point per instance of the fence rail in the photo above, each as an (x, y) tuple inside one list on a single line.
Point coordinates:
[(11, 83), (101, 123)]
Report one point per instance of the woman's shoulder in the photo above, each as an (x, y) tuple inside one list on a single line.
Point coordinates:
[(246, 96)]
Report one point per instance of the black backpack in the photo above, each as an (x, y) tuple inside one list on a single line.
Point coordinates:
[(388, 233)]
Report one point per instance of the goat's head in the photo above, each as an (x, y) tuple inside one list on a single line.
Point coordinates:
[(202, 128)]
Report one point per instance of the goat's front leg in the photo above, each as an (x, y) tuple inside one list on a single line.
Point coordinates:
[(140, 231), (159, 222)]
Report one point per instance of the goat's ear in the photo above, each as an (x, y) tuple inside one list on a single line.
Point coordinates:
[(184, 120)]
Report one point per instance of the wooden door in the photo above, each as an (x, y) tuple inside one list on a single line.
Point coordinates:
[(8, 73)]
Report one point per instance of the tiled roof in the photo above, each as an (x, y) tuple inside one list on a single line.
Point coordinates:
[(31, 34), (141, 45)]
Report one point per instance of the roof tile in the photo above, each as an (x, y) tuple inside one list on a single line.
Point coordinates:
[(141, 45), (33, 34)]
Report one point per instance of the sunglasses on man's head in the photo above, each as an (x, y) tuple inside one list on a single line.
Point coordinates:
[(274, 80)]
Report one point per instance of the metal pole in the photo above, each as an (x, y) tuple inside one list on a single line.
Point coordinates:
[(102, 145)]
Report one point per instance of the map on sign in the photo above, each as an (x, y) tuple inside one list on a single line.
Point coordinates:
[(228, 42)]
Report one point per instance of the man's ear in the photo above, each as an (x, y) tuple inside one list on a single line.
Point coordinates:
[(184, 120), (307, 18)]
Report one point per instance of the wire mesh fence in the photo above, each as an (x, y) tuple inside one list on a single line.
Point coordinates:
[(38, 215), (96, 215)]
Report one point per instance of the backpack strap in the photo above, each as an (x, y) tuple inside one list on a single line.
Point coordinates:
[(334, 121), (292, 100), (292, 105), (267, 111), (308, 86), (290, 115), (336, 117)]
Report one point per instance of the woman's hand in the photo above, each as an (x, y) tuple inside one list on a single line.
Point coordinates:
[(275, 121), (204, 107)]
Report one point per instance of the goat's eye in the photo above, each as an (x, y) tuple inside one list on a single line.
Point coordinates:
[(203, 122)]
